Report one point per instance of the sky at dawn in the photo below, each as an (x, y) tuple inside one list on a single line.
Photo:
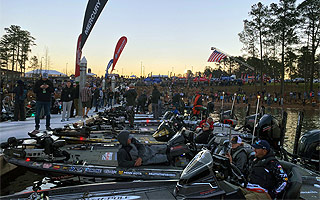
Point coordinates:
[(166, 36)]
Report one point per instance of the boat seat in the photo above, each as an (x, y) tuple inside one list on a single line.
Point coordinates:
[(294, 183)]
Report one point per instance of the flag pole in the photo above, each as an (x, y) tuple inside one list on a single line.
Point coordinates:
[(236, 59)]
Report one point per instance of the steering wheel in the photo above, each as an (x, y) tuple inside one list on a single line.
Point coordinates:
[(238, 174)]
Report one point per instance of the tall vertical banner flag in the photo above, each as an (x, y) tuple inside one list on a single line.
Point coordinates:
[(78, 57), (216, 56), (108, 66), (120, 45), (94, 9)]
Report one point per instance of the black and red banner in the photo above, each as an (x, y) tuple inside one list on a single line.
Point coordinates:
[(120, 45), (94, 9), (78, 57)]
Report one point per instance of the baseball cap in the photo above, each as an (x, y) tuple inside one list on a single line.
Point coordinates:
[(261, 144), (236, 140), (45, 75), (206, 125)]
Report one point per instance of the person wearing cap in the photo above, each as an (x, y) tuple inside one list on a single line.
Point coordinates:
[(43, 89), (203, 136), (238, 155), (67, 96), (266, 179), (134, 154)]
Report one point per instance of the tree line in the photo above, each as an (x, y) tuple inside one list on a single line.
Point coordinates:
[(278, 38), (15, 46)]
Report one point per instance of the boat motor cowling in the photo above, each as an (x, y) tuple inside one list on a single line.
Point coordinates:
[(164, 132), (309, 145), (199, 179), (249, 122), (268, 129)]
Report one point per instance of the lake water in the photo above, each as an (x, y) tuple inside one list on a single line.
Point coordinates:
[(311, 121)]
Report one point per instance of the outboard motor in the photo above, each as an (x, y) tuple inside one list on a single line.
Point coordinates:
[(199, 181), (249, 122), (309, 147), (164, 132), (179, 149), (268, 129), (226, 115)]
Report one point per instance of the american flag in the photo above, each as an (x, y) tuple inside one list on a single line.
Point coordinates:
[(216, 56)]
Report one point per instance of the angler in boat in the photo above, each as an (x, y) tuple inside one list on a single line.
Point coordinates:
[(266, 179), (133, 154), (238, 155)]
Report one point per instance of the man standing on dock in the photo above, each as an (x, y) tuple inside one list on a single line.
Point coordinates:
[(43, 90)]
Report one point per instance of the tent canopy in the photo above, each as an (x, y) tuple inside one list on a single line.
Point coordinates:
[(201, 79), (49, 72), (147, 79)]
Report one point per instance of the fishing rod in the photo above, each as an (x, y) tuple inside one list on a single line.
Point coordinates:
[(255, 119)]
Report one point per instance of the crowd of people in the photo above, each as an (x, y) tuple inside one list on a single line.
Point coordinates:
[(148, 97), (264, 173)]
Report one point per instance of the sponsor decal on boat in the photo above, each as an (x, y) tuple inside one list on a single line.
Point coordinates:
[(107, 156), (110, 171), (47, 165), (207, 192), (56, 167), (65, 168), (115, 197), (36, 164), (161, 174), (76, 169), (133, 173), (92, 170)]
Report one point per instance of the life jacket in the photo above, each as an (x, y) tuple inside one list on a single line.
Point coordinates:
[(260, 175), (196, 104)]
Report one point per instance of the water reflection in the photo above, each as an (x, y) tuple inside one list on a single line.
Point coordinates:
[(311, 121)]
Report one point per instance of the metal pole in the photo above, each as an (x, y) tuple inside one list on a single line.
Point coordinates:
[(298, 132), (255, 120), (82, 82), (113, 86), (234, 98)]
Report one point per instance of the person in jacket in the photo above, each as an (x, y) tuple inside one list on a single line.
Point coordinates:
[(130, 96), (86, 97), (19, 101), (208, 120), (142, 102), (67, 96), (134, 154), (266, 179), (43, 89), (238, 155), (155, 98), (96, 95), (197, 103), (204, 134)]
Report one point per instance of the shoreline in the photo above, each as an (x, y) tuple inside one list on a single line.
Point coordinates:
[(285, 106)]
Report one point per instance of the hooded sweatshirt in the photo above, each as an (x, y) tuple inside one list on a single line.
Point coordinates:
[(128, 153)]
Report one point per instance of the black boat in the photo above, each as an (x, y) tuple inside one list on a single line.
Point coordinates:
[(207, 176)]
